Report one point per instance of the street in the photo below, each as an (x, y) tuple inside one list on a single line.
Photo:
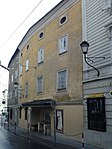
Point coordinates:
[(11, 141)]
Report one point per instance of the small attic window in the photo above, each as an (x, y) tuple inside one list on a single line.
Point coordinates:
[(41, 35), (27, 47), (63, 20)]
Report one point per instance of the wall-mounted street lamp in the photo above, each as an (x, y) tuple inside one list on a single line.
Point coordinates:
[(4, 101), (85, 46), (15, 85)]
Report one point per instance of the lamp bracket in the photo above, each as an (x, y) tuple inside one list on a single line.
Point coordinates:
[(91, 58)]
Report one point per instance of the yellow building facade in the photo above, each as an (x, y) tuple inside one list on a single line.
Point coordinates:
[(51, 71)]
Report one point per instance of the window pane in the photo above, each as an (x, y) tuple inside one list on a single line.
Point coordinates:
[(96, 113), (40, 55), (63, 43), (62, 79), (59, 120), (27, 64), (26, 89), (20, 70), (40, 85)]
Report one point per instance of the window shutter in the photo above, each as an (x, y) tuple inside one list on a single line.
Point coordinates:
[(40, 55), (62, 78), (39, 85)]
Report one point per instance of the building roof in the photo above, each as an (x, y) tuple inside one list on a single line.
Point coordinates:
[(45, 18), (40, 103), (14, 55)]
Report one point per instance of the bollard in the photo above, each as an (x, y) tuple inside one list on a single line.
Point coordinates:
[(82, 140)]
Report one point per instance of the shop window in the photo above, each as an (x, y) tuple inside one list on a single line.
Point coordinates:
[(96, 114), (59, 120)]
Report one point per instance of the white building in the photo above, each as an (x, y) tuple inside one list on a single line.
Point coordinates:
[(4, 75), (97, 31)]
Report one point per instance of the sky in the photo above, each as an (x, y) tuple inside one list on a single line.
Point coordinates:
[(16, 17)]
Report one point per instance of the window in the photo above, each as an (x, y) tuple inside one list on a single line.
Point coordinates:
[(62, 80), (96, 114), (111, 34), (12, 78), (26, 113), (20, 110), (63, 20), (59, 120), (47, 117), (41, 35), (26, 89), (27, 64), (16, 74), (40, 84), (40, 55), (27, 47), (63, 44), (106, 4), (10, 114), (20, 69), (20, 94)]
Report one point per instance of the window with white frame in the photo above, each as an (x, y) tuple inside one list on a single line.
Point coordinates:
[(40, 55), (12, 78), (63, 20), (63, 44), (20, 69), (62, 80), (16, 74), (39, 88), (26, 89), (41, 35), (27, 65)]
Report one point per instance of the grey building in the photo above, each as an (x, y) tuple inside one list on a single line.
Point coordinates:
[(97, 31), (13, 92)]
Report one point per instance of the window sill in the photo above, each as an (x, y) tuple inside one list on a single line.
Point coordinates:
[(40, 63), (62, 53), (62, 90)]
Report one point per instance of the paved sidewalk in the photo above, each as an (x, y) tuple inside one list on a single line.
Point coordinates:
[(60, 142)]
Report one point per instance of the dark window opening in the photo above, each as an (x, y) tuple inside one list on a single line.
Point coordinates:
[(41, 35), (26, 113), (27, 47), (20, 110), (10, 113), (63, 20), (96, 114)]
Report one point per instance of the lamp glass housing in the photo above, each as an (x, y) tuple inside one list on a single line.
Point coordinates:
[(15, 84), (84, 45)]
